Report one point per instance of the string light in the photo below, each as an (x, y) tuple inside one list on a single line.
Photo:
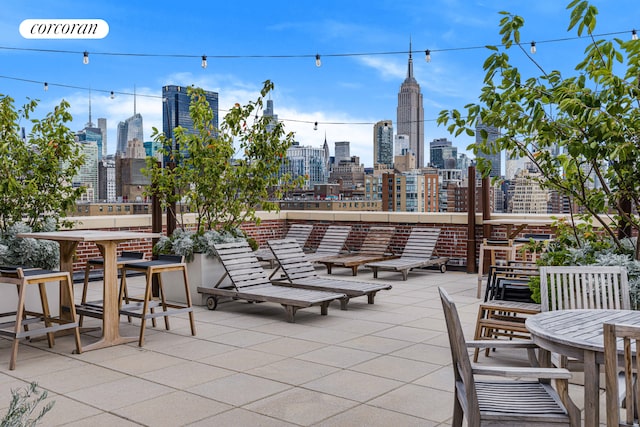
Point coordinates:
[(427, 55), (318, 62), (46, 86), (315, 126), (634, 35), (533, 47), (204, 61), (113, 95)]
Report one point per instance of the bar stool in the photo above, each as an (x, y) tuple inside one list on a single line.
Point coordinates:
[(143, 308), (94, 308), (21, 277)]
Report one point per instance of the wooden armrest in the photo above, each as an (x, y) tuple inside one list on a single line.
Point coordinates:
[(501, 344), (546, 373)]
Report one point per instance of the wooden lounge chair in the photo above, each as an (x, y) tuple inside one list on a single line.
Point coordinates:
[(331, 244), (300, 273), (373, 249), (299, 232), (250, 282), (417, 253), (502, 402)]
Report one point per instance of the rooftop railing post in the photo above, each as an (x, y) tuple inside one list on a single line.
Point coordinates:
[(486, 215), (471, 222)]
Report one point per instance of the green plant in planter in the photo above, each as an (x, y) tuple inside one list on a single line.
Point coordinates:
[(224, 175)]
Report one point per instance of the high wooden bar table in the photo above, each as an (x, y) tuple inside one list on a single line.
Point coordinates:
[(107, 242)]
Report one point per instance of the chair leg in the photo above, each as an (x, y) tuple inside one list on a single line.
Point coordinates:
[(74, 316), (192, 321), (123, 293), (18, 327), (45, 312), (163, 301), (145, 307)]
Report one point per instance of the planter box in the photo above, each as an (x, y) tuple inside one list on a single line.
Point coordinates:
[(203, 271)]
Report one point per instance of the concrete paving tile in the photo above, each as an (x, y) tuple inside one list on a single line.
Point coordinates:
[(103, 419), (326, 335), (353, 385), (423, 402), (30, 367), (406, 333), (396, 368), (243, 338), (376, 344), (337, 356), (173, 409), (195, 349), (119, 393), (186, 374), (292, 371), (287, 346), (370, 416), (241, 359), (144, 361), (238, 389), (301, 407), (66, 410), (240, 417), (425, 353), (68, 380)]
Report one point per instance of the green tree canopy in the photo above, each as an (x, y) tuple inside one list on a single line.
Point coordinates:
[(581, 131), (36, 173)]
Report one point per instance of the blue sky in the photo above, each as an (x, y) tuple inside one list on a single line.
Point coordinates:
[(346, 95)]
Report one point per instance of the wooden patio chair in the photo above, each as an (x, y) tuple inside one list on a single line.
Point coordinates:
[(580, 286), (374, 248), (299, 232), (332, 243), (250, 282), (417, 253), (626, 339), (300, 273), (584, 286), (500, 402)]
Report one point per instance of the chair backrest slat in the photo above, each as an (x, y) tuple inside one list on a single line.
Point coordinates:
[(421, 243), (334, 239), (577, 287), (300, 232)]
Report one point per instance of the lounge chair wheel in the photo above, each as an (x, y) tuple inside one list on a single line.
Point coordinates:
[(212, 303), (443, 268)]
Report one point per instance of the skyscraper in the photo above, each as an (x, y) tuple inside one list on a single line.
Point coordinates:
[(175, 110), (102, 124), (383, 143), (493, 133), (411, 113), (268, 112), (129, 130), (443, 154), (342, 151)]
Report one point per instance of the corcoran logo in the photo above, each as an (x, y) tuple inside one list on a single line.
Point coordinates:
[(64, 29)]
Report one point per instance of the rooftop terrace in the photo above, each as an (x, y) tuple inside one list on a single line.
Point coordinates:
[(374, 365)]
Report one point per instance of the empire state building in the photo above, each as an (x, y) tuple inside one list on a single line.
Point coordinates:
[(411, 113)]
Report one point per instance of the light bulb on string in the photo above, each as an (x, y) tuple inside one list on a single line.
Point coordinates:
[(634, 35), (315, 126), (427, 55), (533, 47), (204, 61), (318, 62), (113, 95), (85, 58), (46, 86)]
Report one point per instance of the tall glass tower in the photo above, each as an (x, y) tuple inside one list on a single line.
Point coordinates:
[(411, 113), (383, 143)]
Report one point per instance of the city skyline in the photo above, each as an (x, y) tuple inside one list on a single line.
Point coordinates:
[(347, 95)]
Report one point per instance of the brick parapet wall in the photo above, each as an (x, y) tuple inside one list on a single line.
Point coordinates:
[(452, 242)]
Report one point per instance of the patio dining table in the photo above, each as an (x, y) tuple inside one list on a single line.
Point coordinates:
[(107, 242), (579, 334)]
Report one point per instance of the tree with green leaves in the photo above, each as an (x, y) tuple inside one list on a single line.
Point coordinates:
[(590, 119), (36, 172), (225, 174)]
